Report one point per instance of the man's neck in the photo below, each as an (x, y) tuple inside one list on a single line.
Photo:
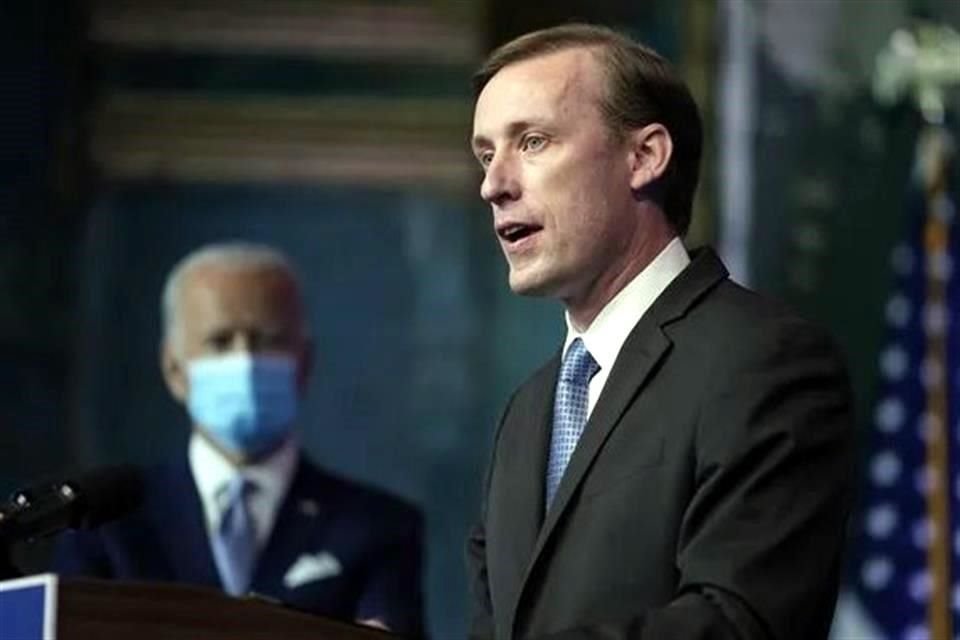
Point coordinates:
[(584, 310)]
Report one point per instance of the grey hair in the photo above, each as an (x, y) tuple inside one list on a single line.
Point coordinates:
[(232, 255)]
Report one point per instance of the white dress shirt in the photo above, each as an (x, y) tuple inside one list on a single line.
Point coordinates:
[(609, 330), (272, 477)]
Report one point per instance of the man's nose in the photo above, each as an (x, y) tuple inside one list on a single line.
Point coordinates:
[(244, 342), (501, 184)]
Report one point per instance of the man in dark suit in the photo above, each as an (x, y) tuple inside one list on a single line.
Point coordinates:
[(244, 509), (680, 470)]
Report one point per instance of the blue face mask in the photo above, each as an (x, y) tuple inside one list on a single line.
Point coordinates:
[(246, 403)]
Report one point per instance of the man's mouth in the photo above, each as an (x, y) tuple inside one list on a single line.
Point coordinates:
[(514, 232)]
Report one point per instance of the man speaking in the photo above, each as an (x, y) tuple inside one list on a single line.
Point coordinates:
[(680, 469)]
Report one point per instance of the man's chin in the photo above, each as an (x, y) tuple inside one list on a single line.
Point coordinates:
[(530, 284)]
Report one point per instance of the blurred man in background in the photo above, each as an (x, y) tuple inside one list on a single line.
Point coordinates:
[(244, 509), (681, 468)]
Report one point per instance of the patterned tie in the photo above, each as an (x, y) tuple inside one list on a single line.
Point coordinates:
[(235, 543), (569, 411)]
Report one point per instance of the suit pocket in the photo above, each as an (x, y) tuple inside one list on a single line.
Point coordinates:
[(615, 467)]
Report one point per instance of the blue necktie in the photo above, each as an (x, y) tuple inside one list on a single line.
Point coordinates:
[(569, 411), (235, 543)]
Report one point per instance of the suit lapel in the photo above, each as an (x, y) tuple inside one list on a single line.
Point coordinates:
[(523, 451), (640, 354), (296, 523), (645, 347), (183, 534)]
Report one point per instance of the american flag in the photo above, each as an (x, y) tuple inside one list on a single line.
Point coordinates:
[(907, 573)]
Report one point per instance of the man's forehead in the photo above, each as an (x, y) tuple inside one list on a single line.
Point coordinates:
[(548, 80), (212, 286), (552, 69), (237, 276)]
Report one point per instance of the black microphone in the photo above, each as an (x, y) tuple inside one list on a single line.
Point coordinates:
[(84, 502)]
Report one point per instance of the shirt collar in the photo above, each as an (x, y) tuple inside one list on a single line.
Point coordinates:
[(609, 330), (212, 472)]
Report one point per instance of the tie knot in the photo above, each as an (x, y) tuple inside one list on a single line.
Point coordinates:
[(578, 365), (234, 491)]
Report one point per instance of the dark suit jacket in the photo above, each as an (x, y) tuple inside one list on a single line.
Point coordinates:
[(373, 537), (707, 497)]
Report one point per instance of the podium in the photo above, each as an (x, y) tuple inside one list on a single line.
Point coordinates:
[(58, 608)]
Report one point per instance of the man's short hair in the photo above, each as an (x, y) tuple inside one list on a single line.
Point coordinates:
[(232, 255), (642, 88)]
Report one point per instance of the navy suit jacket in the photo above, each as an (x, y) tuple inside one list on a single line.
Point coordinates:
[(357, 550)]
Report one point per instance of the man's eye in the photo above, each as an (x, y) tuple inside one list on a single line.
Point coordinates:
[(533, 143), (485, 158), (220, 341), (275, 340)]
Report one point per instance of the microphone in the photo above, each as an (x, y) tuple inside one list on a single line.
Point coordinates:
[(84, 502)]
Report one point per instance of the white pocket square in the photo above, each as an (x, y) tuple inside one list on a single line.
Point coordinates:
[(311, 567)]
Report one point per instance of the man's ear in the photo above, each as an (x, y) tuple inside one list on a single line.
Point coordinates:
[(650, 151), (174, 371)]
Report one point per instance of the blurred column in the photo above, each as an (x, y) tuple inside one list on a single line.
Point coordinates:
[(736, 122)]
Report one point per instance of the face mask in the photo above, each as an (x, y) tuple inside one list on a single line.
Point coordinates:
[(246, 403)]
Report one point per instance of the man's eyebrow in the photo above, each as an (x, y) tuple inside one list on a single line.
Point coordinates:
[(480, 142)]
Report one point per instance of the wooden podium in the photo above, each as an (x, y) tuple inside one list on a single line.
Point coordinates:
[(87, 609)]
